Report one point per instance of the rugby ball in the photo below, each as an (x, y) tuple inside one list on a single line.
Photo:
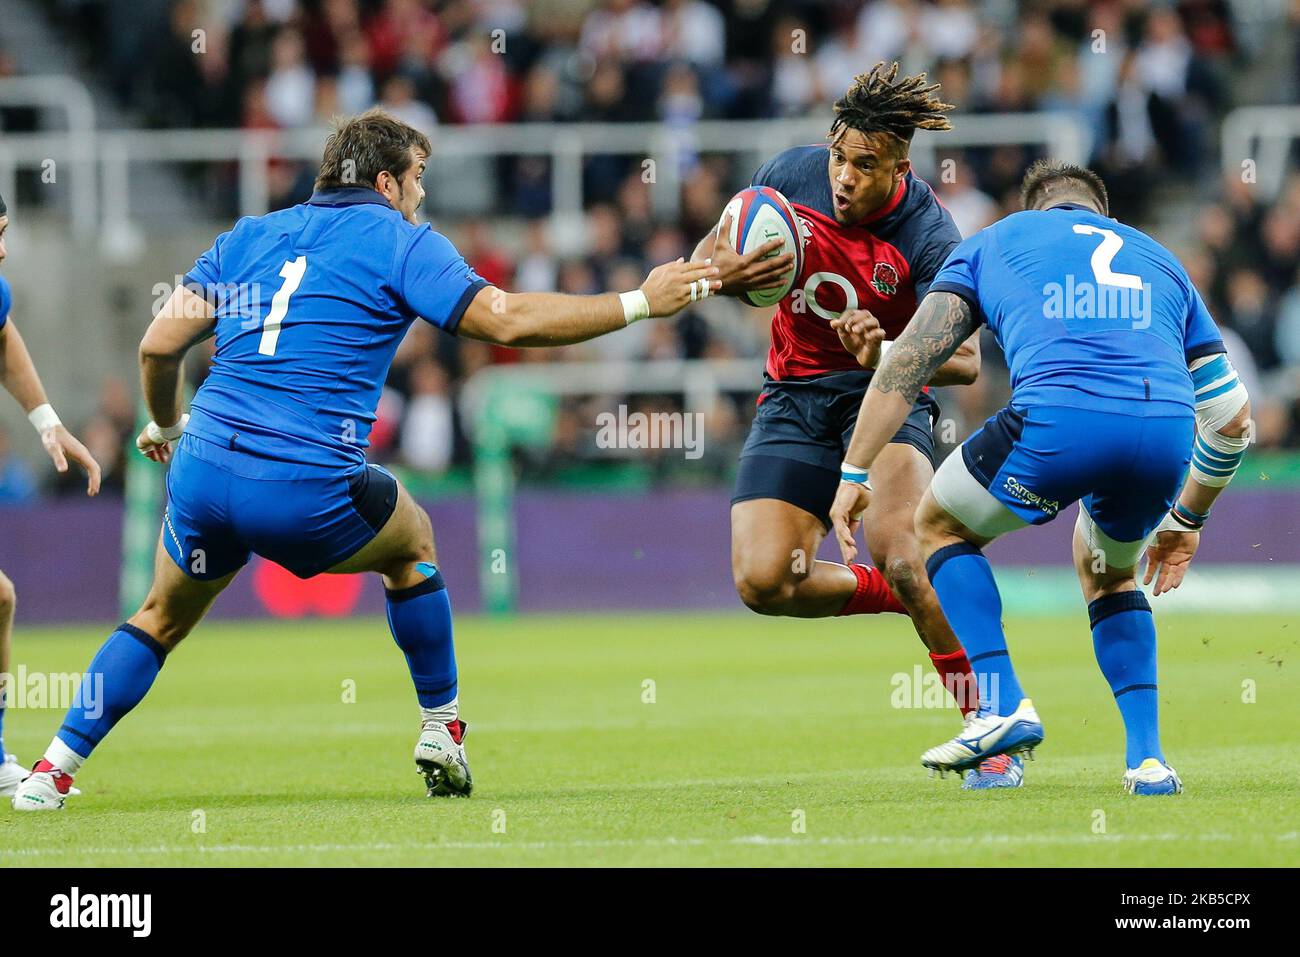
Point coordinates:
[(760, 214)]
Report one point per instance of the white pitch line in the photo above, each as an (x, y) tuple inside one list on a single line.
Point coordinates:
[(753, 840)]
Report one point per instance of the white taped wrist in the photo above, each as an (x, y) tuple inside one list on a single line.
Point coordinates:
[(157, 434), (43, 418), (854, 474), (635, 306)]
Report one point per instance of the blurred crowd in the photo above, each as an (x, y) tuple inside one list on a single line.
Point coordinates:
[(1150, 81)]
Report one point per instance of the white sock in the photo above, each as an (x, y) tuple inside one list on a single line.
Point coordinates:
[(64, 758), (446, 713)]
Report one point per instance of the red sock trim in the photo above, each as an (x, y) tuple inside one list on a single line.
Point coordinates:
[(457, 730), (872, 596), (954, 669), (62, 782)]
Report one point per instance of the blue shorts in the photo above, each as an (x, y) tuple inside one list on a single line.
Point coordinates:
[(223, 506), (800, 434), (1026, 464)]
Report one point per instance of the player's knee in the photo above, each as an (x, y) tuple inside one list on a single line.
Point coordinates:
[(417, 549), (154, 621), (1099, 586), (8, 597), (906, 577), (930, 537), (766, 590)]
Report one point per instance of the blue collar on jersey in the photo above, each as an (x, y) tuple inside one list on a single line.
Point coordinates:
[(348, 196), (1086, 209)]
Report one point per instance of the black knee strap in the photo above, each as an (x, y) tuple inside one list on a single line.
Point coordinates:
[(1108, 605), (146, 639), (935, 561), (427, 587)]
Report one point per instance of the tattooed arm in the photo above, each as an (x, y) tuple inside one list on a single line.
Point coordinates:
[(941, 324)]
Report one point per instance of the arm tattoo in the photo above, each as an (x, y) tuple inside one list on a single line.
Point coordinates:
[(941, 324)]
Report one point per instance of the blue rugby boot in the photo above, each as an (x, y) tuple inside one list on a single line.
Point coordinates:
[(999, 771), (1152, 777)]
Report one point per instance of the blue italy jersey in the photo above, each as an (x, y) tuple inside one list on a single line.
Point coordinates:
[(1087, 310), (6, 301), (311, 303)]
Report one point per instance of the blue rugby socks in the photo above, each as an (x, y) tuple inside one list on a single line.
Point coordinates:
[(964, 583), (420, 619), (1124, 639), (119, 676)]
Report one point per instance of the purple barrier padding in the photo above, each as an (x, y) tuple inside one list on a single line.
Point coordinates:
[(63, 557), (574, 551), (659, 550)]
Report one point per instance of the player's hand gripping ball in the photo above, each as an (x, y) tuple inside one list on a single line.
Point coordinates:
[(759, 249)]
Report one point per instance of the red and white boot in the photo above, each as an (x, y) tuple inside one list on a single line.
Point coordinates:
[(45, 789)]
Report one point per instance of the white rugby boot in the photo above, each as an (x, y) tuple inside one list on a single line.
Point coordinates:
[(45, 789), (984, 736), (11, 775), (440, 757)]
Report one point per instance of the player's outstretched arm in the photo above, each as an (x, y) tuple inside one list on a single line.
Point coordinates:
[(20, 379), (555, 319), (738, 273), (1223, 433), (185, 319)]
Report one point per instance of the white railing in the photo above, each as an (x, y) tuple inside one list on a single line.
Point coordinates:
[(1261, 136), (77, 145), (700, 382), (101, 160)]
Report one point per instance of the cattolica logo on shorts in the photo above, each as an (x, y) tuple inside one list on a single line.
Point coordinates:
[(1016, 490)]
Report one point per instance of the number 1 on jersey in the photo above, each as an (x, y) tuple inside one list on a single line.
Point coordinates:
[(291, 272)]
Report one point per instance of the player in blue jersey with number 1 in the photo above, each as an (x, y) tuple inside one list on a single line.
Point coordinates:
[(1122, 398), (308, 306)]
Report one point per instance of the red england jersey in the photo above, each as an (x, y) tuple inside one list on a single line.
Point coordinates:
[(884, 264)]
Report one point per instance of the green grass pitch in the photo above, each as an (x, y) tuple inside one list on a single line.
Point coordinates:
[(760, 742)]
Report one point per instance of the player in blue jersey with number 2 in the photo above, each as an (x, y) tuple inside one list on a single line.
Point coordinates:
[(1122, 398), (308, 306)]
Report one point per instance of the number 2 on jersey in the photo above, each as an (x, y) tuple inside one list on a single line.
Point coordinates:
[(1104, 255), (291, 272)]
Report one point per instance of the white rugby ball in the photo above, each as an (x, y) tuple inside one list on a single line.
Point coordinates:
[(759, 215)]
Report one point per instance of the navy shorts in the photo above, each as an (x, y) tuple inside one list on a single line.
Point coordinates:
[(801, 432), (222, 508)]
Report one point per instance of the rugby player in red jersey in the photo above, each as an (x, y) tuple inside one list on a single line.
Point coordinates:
[(874, 237)]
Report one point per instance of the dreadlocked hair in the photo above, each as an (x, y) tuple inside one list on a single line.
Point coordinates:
[(875, 103)]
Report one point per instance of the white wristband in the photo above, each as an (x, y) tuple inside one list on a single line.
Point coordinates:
[(635, 306), (43, 418), (158, 435)]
